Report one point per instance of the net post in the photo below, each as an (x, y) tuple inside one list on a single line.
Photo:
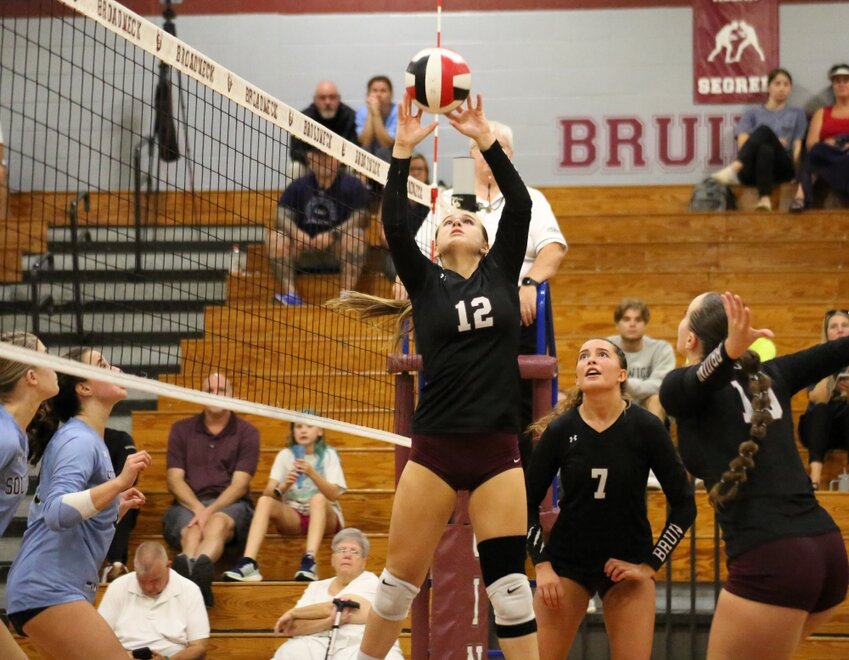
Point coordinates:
[(541, 370), (403, 366)]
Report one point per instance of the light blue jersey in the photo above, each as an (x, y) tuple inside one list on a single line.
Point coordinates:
[(14, 479), (61, 553)]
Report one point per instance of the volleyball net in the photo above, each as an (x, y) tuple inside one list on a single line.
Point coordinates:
[(145, 184)]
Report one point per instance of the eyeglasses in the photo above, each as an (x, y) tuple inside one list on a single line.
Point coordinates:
[(347, 552)]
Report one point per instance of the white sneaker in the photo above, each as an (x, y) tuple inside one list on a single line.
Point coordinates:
[(764, 204), (726, 176)]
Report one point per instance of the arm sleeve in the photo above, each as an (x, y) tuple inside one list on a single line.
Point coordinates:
[(809, 366), (197, 620), (109, 607), (333, 469), (687, 389), (248, 457), (309, 597), (410, 263), (543, 466), (281, 467), (544, 228), (663, 361), (176, 455), (801, 127), (511, 242), (746, 123), (669, 470), (360, 119), (75, 463)]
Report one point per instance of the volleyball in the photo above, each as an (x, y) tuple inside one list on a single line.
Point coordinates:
[(438, 80)]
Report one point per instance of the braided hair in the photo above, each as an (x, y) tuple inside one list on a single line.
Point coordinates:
[(710, 324)]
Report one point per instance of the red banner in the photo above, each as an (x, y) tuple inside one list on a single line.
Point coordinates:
[(735, 45)]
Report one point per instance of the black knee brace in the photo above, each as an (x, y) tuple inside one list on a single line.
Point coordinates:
[(503, 567)]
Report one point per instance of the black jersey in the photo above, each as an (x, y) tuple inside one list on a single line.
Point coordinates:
[(712, 412), (603, 503), (467, 330)]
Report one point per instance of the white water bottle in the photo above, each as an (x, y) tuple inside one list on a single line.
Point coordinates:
[(238, 261)]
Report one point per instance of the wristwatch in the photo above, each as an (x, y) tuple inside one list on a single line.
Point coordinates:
[(528, 281)]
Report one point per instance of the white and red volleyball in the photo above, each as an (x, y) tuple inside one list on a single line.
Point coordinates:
[(438, 80)]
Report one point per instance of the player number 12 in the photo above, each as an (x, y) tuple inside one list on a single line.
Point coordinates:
[(481, 317)]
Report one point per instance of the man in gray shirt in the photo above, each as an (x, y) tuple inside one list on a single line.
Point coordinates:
[(649, 360)]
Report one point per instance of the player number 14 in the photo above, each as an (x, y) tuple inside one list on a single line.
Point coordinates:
[(481, 317)]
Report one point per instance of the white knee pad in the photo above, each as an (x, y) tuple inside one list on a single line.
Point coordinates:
[(511, 600), (393, 598)]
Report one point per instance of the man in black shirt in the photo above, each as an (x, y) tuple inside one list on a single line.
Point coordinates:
[(329, 111)]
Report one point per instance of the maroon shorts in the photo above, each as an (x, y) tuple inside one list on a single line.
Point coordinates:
[(809, 573), (305, 523), (466, 460)]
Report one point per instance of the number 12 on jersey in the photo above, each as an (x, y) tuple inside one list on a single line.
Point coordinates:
[(481, 316)]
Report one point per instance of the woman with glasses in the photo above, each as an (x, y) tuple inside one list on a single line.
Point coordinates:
[(309, 622), (53, 580), (787, 565), (301, 498), (825, 424)]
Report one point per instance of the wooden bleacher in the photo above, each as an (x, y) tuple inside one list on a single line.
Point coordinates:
[(639, 242)]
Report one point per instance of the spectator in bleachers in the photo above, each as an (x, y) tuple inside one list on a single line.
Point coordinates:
[(321, 219), (328, 110), (211, 460), (53, 581), (156, 608), (4, 178), (546, 248), (649, 360), (120, 445), (23, 391), (300, 498), (828, 144), (377, 120), (310, 621), (769, 140), (825, 424)]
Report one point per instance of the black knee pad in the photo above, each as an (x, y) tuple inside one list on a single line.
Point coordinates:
[(501, 556), (503, 567)]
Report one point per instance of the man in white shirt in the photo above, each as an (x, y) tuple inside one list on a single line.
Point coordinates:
[(157, 608)]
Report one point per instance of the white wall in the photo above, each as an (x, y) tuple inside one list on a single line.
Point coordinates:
[(533, 68)]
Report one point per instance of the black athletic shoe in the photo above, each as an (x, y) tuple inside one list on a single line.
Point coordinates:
[(202, 575), (181, 566)]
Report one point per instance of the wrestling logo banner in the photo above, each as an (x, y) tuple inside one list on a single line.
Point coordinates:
[(735, 45)]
